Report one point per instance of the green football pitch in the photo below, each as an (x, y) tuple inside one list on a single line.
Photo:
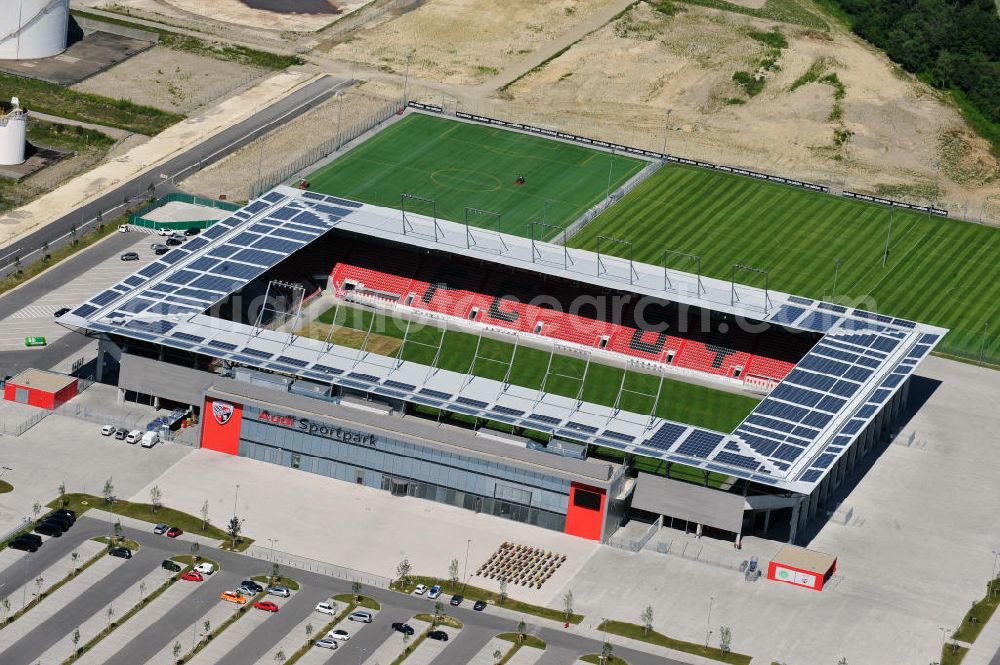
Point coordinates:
[(683, 402), (939, 271), (460, 165)]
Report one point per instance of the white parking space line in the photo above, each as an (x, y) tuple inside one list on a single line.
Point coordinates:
[(67, 593), (319, 655), (16, 592), (232, 637), (120, 606), (216, 616), (146, 617)]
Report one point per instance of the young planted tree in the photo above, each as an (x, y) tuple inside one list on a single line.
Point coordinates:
[(155, 498), (438, 613), (280, 657), (498, 655), (647, 620), (309, 631), (503, 590), (142, 591), (207, 626), (118, 531), (725, 639), (453, 571), (177, 651), (568, 604), (234, 528), (204, 516), (111, 615), (522, 629), (5, 605), (403, 571), (606, 653), (62, 494), (36, 509), (356, 590), (39, 581), (75, 637), (109, 491), (75, 557), (275, 572)]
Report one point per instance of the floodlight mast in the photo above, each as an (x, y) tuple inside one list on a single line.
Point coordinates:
[(667, 284), (408, 225)]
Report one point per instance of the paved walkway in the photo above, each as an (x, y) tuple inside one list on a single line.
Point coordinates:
[(485, 655), (14, 585), (217, 614), (233, 636), (319, 656)]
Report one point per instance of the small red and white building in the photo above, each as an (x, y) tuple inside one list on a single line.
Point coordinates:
[(46, 390), (802, 567)]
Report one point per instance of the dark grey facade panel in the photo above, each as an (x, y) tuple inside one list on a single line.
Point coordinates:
[(687, 501), (162, 379)]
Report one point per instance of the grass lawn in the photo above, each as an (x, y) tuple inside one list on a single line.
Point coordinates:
[(366, 602), (443, 620), (461, 165), (979, 615), (939, 271), (281, 581), (528, 641), (637, 632), (952, 654), (660, 467), (5, 487), (66, 103), (144, 511), (595, 658), (684, 402), (473, 594)]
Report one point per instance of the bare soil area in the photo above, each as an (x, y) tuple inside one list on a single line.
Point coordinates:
[(310, 17), (462, 41), (647, 78), (172, 80), (234, 175)]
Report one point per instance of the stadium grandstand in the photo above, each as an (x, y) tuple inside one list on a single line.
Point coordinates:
[(224, 325)]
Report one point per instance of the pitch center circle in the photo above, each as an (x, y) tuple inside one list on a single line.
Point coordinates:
[(466, 180)]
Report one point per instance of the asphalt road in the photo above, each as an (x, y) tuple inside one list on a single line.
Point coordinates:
[(212, 149), (563, 646)]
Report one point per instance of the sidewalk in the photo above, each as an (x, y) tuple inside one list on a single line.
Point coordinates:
[(144, 158)]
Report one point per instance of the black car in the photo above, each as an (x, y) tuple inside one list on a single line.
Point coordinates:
[(404, 628), (172, 566), (174, 242), (24, 544), (34, 537), (160, 251), (121, 434), (120, 552), (130, 256), (192, 232), (58, 521), (479, 606), (253, 586), (438, 635), (66, 513), (457, 599), (61, 311), (49, 529)]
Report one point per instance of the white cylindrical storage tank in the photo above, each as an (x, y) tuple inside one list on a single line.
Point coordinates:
[(13, 133), (33, 28)]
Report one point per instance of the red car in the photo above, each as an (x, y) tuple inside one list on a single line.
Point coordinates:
[(192, 576), (173, 532), (266, 605)]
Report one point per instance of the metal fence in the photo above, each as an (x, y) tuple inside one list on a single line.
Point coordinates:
[(21, 426), (637, 545), (577, 225), (326, 148), (322, 567), (25, 522)]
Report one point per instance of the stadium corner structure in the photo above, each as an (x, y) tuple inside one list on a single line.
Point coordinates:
[(214, 325)]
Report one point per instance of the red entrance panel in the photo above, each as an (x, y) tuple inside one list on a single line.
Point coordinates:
[(585, 512), (221, 423)]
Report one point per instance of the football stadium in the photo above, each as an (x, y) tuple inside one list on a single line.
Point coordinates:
[(458, 349)]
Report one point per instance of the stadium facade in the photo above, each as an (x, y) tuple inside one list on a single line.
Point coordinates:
[(181, 331)]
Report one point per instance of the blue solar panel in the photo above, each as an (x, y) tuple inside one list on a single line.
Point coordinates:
[(327, 369), (236, 271), (284, 214), (817, 381), (572, 424), (293, 235), (273, 197), (294, 362), (818, 321), (885, 344), (797, 395), (152, 270), (787, 452), (363, 377), (223, 251), (770, 407), (829, 351), (893, 380), (866, 411), (903, 323), (219, 344), (666, 436), (182, 277), (871, 315), (799, 300), (196, 244), (857, 374), (215, 283), (255, 207), (257, 353), (203, 263), (786, 314), (334, 212), (812, 475), (738, 460), (805, 432), (928, 338), (278, 245), (833, 308), (106, 297), (170, 258), (844, 388), (544, 419), (214, 232), (479, 404), (611, 434), (435, 393), (824, 365), (134, 280), (400, 385), (507, 410), (762, 445), (257, 257), (309, 219), (189, 337), (699, 444), (84, 310), (830, 403), (817, 420)]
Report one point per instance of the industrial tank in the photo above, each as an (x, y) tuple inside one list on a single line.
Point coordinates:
[(33, 28), (13, 133)]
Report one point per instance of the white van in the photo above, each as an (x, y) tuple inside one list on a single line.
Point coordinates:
[(133, 437), (150, 439)]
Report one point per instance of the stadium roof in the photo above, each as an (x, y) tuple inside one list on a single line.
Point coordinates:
[(789, 441)]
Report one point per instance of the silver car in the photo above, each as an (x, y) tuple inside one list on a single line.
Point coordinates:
[(280, 591), (326, 644), (363, 617)]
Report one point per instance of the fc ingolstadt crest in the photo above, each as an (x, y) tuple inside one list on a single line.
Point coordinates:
[(222, 411)]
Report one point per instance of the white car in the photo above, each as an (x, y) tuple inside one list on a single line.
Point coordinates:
[(108, 430), (421, 588), (134, 436), (325, 644), (339, 634), (205, 568), (165, 232), (326, 608), (123, 228)]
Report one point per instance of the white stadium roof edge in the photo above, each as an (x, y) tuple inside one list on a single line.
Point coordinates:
[(790, 440)]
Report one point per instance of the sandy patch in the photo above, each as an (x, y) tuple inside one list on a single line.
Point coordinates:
[(621, 81), (172, 80), (238, 13), (463, 41), (234, 175)]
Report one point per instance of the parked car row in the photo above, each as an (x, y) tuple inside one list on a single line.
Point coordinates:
[(456, 599), (332, 639), (168, 531), (144, 439), (54, 524)]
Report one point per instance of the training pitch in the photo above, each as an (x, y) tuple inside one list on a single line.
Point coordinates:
[(938, 271), (461, 165)]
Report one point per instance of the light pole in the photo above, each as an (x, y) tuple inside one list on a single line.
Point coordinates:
[(467, 544), (996, 555), (545, 211), (340, 109), (885, 254), (666, 129), (836, 273), (272, 541), (611, 168), (236, 499), (708, 622)]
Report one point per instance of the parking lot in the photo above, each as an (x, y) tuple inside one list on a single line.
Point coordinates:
[(155, 614)]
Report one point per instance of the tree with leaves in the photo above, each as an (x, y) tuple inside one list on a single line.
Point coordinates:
[(275, 572), (62, 494), (309, 631), (36, 509), (453, 571), (177, 651), (109, 490), (403, 571), (75, 557), (647, 620), (155, 498), (142, 591), (234, 528), (725, 639), (207, 626), (111, 614), (522, 629), (438, 612), (75, 637), (39, 581), (606, 653), (356, 590), (204, 516), (280, 657), (503, 590), (5, 605), (568, 604), (498, 655)]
